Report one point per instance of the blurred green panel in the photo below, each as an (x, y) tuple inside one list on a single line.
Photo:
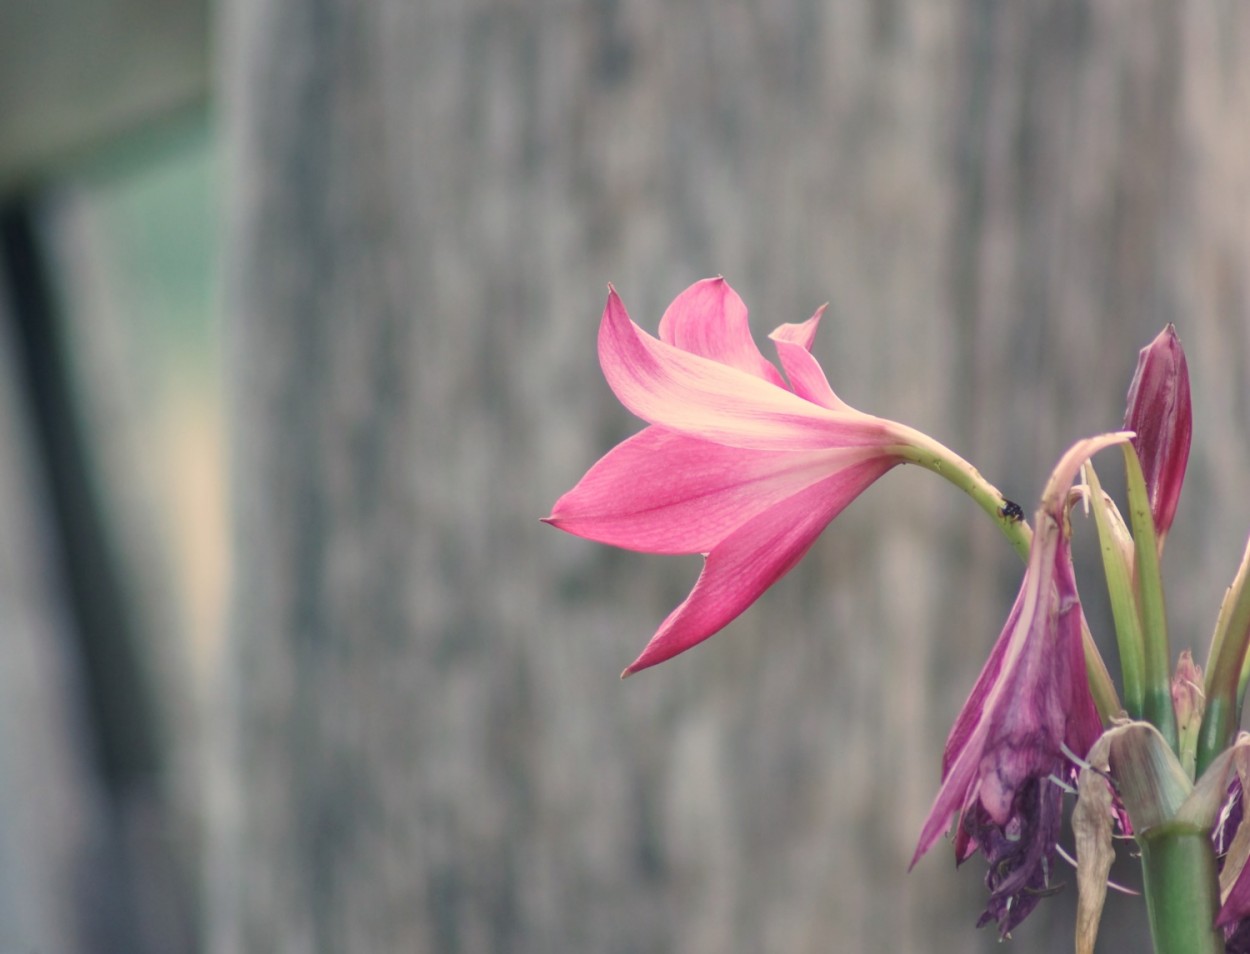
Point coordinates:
[(75, 73), (131, 233), (152, 202)]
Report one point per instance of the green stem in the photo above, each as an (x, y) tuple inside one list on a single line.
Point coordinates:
[(1181, 888), (1218, 725), (922, 450), (1117, 564), (1156, 657), (1228, 667)]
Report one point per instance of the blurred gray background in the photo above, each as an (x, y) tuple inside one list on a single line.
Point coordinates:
[(298, 304)]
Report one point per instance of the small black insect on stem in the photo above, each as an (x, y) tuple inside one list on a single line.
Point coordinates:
[(1010, 510)]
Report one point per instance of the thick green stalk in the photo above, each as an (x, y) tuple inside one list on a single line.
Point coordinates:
[(924, 451), (1157, 668), (1181, 888)]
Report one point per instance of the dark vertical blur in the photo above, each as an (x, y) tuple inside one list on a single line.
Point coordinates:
[(124, 869)]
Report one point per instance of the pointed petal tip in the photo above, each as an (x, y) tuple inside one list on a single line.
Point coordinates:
[(1167, 336), (646, 660), (929, 837), (710, 281), (559, 513), (641, 663)]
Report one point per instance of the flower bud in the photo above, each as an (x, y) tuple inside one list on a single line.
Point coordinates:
[(1160, 414)]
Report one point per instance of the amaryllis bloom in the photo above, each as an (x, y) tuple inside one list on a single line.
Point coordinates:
[(1031, 700), (740, 464), (1161, 416)]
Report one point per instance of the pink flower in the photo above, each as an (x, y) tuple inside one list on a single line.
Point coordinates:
[(1161, 415), (739, 463), (1031, 700)]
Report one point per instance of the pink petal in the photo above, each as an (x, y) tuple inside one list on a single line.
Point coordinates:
[(802, 334), (747, 562), (973, 710), (663, 492), (710, 320), (807, 378), (1039, 690), (1083, 725), (959, 788), (961, 762), (684, 392)]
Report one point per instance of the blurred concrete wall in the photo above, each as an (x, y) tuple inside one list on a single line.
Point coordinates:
[(424, 743)]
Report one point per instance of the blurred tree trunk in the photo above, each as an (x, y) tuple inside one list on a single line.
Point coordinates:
[(424, 742)]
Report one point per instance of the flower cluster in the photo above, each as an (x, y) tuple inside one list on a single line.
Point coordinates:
[(746, 463)]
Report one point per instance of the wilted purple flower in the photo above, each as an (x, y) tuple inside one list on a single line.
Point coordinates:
[(1234, 913), (1031, 700), (1160, 414), (1237, 938)]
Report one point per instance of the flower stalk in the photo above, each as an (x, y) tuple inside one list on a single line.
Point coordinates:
[(1181, 888), (923, 451)]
